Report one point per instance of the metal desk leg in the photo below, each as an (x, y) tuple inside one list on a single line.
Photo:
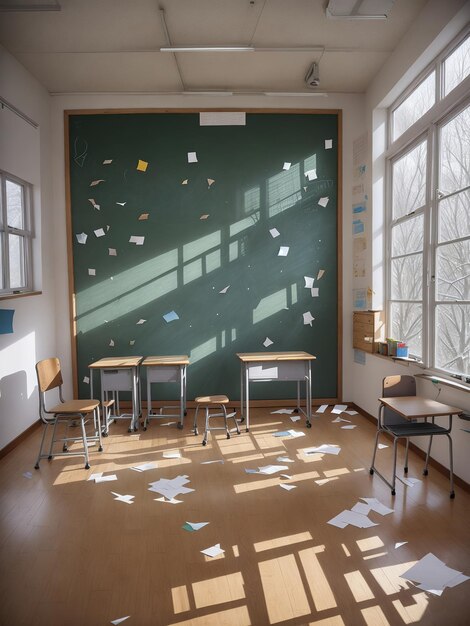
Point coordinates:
[(180, 425), (242, 383), (308, 394), (247, 397)]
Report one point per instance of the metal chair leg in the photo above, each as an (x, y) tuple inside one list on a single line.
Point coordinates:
[(85, 444), (372, 467), (425, 471), (53, 437), (394, 465), (451, 467), (405, 469), (40, 447), (195, 420)]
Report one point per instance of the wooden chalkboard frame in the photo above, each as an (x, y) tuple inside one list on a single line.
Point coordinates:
[(339, 212)]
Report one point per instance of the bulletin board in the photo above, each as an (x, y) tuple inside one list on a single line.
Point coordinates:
[(205, 240)]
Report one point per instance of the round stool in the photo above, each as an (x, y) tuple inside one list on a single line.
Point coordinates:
[(207, 402)]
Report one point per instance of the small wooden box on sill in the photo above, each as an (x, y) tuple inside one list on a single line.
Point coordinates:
[(368, 330)]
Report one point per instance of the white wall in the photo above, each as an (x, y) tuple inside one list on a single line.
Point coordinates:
[(435, 27), (25, 152)]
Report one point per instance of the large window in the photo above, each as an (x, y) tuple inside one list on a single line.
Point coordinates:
[(429, 216), (15, 235)]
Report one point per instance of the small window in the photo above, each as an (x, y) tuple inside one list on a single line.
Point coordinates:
[(15, 235), (414, 106), (457, 66)]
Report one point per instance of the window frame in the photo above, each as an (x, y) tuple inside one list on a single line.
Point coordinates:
[(428, 127), (26, 233)]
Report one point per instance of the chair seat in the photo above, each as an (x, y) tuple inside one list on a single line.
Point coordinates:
[(72, 407), (415, 429), (212, 400)]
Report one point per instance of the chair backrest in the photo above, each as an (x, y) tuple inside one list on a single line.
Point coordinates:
[(394, 387), (49, 374)]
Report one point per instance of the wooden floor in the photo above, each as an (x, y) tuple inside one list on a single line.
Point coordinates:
[(72, 555)]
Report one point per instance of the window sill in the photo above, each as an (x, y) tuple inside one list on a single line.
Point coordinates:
[(455, 384), (23, 294), (398, 359)]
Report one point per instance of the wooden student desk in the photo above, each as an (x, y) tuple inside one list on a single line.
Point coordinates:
[(166, 369), (271, 367), (414, 408), (119, 374)]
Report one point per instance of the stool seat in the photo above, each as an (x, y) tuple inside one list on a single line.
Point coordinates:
[(211, 400), (206, 402)]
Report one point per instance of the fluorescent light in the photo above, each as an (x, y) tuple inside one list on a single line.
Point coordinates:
[(356, 16), (207, 49), (207, 93), (300, 93)]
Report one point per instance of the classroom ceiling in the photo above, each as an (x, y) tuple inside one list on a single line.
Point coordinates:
[(114, 45)]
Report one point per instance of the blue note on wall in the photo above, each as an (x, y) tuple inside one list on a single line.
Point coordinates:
[(358, 227), (6, 321)]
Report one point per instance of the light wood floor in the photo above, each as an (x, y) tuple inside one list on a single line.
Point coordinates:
[(72, 555)]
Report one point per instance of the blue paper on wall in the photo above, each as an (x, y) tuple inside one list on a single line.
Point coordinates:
[(6, 321)]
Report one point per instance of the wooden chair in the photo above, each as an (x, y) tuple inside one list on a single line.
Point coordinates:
[(401, 428), (210, 401), (50, 377)]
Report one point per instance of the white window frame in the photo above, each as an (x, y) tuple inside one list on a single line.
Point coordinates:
[(27, 233), (428, 126)]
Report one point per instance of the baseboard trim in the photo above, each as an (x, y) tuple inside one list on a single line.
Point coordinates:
[(435, 464), (21, 437)]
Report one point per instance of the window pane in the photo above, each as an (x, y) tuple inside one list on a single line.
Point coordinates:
[(454, 216), (407, 325), (407, 278), (415, 106), (409, 181), (2, 285), (15, 213), (453, 338), (453, 271), (454, 166), (457, 66), (408, 236), (16, 251)]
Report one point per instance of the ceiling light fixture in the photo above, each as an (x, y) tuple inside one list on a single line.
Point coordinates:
[(207, 49)]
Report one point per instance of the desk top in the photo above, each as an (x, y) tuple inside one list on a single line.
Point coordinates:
[(179, 359), (416, 406), (246, 357), (115, 362)]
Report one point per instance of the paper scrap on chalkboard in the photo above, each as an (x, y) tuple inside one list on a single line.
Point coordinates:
[(121, 203), (141, 321), (225, 289), (184, 182), (210, 182), (328, 144), (99, 232), (137, 239), (81, 237), (6, 321), (323, 201), (274, 233), (267, 342), (93, 204), (192, 157), (171, 316), (111, 343), (112, 251), (86, 380), (107, 162), (283, 251), (308, 282), (142, 166), (311, 174), (315, 291), (308, 318), (286, 166), (91, 271), (204, 217), (320, 274), (143, 216), (96, 182)]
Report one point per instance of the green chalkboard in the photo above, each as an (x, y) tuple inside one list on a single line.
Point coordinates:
[(148, 188)]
